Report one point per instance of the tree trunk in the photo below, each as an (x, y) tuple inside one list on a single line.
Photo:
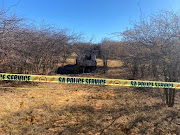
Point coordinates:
[(105, 64)]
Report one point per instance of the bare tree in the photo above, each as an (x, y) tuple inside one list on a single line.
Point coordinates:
[(110, 50), (157, 39), (30, 49)]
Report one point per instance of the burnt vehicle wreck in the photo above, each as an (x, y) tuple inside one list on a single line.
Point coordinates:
[(85, 63)]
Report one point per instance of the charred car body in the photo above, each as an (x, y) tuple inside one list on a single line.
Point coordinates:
[(85, 63)]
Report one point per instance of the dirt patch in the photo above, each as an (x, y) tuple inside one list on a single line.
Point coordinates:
[(84, 109)]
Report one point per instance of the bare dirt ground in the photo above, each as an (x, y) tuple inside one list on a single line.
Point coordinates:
[(87, 109)]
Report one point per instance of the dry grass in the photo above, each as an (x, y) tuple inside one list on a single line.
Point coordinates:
[(87, 109), (99, 62), (114, 63), (111, 63), (70, 61)]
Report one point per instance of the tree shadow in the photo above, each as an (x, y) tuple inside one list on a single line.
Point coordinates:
[(74, 69)]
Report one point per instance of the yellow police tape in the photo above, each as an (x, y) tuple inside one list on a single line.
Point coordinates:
[(85, 80)]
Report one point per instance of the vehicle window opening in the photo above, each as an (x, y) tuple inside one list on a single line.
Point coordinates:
[(87, 57)]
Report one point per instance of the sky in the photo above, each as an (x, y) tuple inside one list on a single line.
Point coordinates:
[(95, 19)]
